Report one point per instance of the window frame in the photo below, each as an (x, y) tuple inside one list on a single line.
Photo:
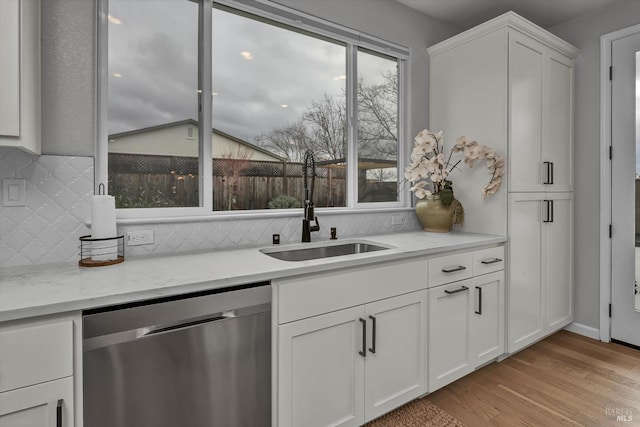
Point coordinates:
[(288, 17)]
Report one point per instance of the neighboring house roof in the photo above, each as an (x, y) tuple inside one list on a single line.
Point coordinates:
[(129, 135)]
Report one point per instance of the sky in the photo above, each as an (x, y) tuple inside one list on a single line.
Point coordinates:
[(264, 77)]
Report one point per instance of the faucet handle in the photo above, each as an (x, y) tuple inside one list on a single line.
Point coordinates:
[(317, 226)]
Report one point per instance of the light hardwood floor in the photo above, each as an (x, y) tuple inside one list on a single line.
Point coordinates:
[(566, 379)]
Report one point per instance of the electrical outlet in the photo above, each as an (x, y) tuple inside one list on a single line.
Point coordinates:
[(142, 237), (397, 220)]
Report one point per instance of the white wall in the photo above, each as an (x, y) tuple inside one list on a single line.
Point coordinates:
[(584, 33)]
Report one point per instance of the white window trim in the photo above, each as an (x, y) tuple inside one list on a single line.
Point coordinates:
[(296, 19)]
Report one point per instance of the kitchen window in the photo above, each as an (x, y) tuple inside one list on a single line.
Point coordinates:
[(251, 86)]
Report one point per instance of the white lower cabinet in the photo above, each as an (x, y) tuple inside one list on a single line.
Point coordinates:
[(486, 329), (540, 273), (347, 367), (466, 327), (36, 373), (49, 404)]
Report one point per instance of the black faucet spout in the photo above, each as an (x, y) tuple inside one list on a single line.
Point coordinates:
[(309, 214)]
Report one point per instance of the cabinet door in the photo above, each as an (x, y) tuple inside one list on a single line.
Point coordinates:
[(10, 68), (525, 283), (558, 261), (320, 370), (20, 74), (526, 70), (487, 320), (49, 404), (557, 148), (395, 368), (449, 311)]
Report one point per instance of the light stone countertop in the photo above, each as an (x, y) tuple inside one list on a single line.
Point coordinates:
[(41, 290)]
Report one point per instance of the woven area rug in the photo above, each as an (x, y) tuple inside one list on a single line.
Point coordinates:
[(419, 413)]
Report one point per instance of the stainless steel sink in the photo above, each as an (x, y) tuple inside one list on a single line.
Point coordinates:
[(307, 253)]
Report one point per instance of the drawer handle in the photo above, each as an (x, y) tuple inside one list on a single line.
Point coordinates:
[(59, 413), (363, 352), (491, 261), (454, 269), (461, 289)]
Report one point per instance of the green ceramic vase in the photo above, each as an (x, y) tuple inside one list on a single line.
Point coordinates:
[(434, 215)]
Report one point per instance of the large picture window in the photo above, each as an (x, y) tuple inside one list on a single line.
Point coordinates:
[(276, 91)]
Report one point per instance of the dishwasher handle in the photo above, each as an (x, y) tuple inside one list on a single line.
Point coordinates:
[(94, 343), (175, 326)]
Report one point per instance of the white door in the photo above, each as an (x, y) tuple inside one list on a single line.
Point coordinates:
[(557, 149), (396, 352), (525, 275), (526, 74), (449, 316), (321, 370), (486, 331), (558, 261), (625, 166)]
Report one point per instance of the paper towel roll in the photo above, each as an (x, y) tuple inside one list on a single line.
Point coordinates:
[(103, 225)]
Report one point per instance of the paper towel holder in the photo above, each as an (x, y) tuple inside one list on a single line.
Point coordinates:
[(88, 249)]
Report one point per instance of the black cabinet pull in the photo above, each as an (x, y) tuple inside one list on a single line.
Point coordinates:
[(491, 261), (547, 179), (551, 163), (551, 203), (461, 289), (372, 349), (547, 207), (454, 269), (479, 311), (59, 413), (363, 352)]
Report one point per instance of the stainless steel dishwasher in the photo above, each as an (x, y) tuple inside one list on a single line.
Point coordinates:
[(199, 360)]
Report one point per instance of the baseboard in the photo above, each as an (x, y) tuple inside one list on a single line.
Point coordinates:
[(585, 330)]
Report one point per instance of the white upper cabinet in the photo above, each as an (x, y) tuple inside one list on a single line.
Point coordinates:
[(20, 74), (508, 84), (540, 117)]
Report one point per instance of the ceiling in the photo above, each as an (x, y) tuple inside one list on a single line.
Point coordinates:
[(465, 14)]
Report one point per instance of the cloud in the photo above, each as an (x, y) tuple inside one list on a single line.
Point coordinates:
[(155, 50)]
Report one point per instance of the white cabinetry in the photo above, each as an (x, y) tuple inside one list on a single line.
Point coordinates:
[(359, 362), (36, 374), (541, 260), (20, 74), (466, 319), (509, 84), (540, 114)]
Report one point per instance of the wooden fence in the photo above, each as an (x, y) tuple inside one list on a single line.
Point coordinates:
[(165, 181)]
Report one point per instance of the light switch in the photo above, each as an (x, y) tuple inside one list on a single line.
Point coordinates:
[(13, 192)]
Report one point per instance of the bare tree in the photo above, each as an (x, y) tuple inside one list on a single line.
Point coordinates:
[(322, 127), (378, 118), (290, 141), (326, 121), (233, 162)]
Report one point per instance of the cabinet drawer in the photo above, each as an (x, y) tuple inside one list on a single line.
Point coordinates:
[(450, 268), (314, 294), (35, 354), (488, 260)]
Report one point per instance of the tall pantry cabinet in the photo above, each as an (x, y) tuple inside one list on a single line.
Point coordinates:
[(508, 84)]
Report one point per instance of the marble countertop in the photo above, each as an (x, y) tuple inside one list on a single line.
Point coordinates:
[(41, 290)]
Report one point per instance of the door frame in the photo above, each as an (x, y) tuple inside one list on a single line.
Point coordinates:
[(606, 41)]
